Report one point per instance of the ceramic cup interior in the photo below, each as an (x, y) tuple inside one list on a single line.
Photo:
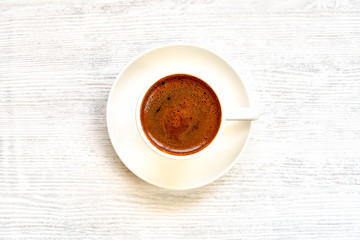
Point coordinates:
[(173, 156)]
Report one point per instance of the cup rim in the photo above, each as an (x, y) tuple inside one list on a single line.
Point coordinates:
[(168, 155)]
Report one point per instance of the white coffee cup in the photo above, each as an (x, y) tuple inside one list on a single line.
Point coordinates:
[(229, 113)]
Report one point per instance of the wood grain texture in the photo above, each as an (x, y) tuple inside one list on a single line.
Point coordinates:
[(299, 177)]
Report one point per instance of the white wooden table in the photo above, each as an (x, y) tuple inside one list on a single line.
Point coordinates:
[(299, 177)]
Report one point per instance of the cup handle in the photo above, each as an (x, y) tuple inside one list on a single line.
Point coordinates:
[(242, 114)]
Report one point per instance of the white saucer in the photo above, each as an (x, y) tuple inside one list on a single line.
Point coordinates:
[(130, 147)]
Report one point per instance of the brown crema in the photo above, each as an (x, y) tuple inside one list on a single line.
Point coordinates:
[(180, 114)]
